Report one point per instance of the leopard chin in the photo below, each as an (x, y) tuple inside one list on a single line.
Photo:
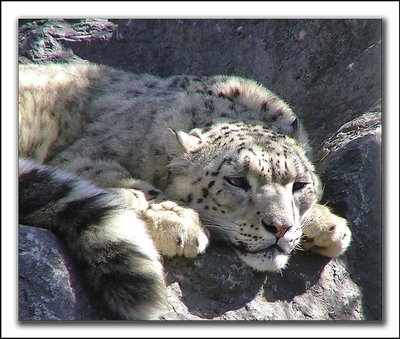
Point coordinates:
[(271, 259)]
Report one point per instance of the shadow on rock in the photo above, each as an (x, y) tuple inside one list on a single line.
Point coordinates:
[(215, 282), (218, 282), (303, 272)]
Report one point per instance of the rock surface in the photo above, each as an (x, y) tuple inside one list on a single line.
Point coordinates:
[(49, 288), (350, 168), (330, 72)]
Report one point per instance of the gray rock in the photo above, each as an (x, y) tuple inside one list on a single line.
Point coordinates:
[(45, 40), (48, 285), (218, 286), (330, 72), (350, 168)]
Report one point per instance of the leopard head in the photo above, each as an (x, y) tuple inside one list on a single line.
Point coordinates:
[(250, 185)]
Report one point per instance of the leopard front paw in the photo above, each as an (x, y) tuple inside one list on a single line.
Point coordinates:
[(325, 233), (176, 230)]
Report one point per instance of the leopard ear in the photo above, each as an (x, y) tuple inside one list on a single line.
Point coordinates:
[(178, 142)]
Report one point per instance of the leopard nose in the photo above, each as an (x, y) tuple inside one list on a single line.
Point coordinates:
[(276, 229)]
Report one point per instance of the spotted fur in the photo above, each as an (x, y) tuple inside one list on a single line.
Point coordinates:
[(171, 160)]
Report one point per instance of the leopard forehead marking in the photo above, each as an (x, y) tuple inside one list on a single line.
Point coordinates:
[(262, 152)]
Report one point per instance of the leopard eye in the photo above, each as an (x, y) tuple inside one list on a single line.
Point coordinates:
[(298, 185), (238, 181)]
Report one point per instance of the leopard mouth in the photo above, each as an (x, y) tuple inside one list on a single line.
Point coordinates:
[(272, 248)]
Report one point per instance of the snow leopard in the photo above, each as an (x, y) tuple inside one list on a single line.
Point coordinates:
[(126, 168)]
